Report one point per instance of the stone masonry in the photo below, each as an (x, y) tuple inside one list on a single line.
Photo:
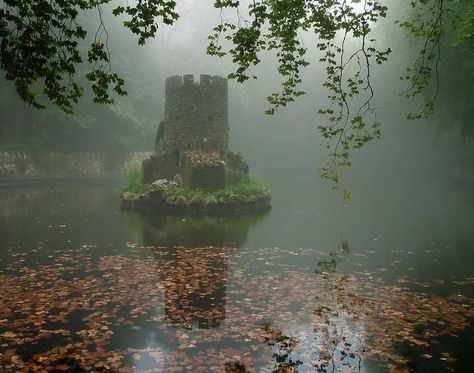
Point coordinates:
[(196, 115), (193, 139)]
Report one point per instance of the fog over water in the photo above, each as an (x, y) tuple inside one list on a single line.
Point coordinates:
[(408, 225)]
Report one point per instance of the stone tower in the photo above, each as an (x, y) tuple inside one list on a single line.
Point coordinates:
[(196, 115), (193, 139)]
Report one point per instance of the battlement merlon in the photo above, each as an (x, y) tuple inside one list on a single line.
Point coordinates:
[(178, 81), (186, 99), (219, 82), (174, 81), (188, 80)]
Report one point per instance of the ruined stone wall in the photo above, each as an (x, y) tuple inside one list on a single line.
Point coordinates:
[(196, 114), (160, 166), (202, 170), (63, 164)]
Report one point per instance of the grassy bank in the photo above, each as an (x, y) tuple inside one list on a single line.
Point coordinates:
[(252, 186), (133, 180), (248, 186)]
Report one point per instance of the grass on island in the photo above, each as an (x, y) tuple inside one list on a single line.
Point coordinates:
[(133, 181), (251, 187), (238, 186)]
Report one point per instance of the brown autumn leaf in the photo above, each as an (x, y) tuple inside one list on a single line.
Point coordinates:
[(8, 335)]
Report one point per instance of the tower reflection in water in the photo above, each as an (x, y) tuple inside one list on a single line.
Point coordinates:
[(194, 253), (195, 287)]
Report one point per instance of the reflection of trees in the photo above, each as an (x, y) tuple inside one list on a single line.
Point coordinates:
[(330, 265), (283, 347), (341, 340), (197, 231), (357, 319), (337, 327), (48, 207), (195, 283)]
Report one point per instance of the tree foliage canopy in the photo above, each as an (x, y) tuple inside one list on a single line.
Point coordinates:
[(40, 52), (40, 47)]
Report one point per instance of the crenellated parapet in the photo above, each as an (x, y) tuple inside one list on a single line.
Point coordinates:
[(213, 81)]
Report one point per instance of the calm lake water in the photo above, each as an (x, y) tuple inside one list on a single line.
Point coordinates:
[(384, 281)]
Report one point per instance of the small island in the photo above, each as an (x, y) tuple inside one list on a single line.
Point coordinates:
[(192, 168)]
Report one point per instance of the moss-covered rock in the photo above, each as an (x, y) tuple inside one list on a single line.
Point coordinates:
[(210, 201), (180, 201), (197, 201), (168, 196)]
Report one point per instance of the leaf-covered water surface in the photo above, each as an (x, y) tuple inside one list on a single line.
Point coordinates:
[(178, 309)]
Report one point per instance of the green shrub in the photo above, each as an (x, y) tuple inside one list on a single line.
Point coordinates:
[(251, 187), (133, 180), (233, 177), (177, 191)]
